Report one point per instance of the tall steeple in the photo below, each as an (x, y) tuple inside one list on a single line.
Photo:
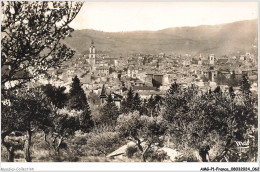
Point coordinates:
[(211, 59), (92, 53)]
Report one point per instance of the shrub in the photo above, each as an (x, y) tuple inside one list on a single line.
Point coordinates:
[(73, 158), (156, 156), (148, 129), (130, 151), (104, 143), (188, 154), (63, 145), (152, 155)]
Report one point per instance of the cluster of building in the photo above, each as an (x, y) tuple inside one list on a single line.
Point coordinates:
[(150, 74)]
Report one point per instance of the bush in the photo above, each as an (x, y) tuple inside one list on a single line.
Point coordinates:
[(156, 156), (78, 144), (152, 155), (65, 156), (63, 145), (130, 151), (73, 158), (188, 154), (104, 143)]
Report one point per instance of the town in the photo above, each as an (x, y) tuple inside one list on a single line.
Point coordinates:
[(150, 74), (73, 93)]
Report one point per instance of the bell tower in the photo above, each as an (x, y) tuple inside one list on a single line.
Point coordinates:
[(92, 53), (211, 59)]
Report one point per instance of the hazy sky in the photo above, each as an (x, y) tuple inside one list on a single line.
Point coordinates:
[(129, 16)]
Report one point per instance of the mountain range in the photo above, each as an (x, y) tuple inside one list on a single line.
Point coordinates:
[(221, 39)]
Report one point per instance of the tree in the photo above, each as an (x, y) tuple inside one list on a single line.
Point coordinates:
[(9, 126), (144, 110), (231, 92), (221, 79), (158, 101), (109, 112), (104, 142), (78, 100), (123, 108), (217, 90), (85, 119), (208, 120), (142, 129), (128, 103), (174, 88), (28, 111), (233, 81), (31, 38), (137, 105), (62, 127), (56, 95), (93, 98), (150, 106), (130, 99), (153, 105), (245, 85)]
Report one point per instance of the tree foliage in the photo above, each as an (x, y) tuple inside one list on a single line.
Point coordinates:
[(31, 37), (62, 127), (245, 85), (137, 104), (217, 90), (142, 129), (78, 100), (109, 112), (174, 88), (130, 99), (233, 81), (56, 95), (27, 111), (128, 103), (85, 119), (200, 119)]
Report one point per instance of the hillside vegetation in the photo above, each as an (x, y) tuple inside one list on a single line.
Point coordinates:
[(218, 39)]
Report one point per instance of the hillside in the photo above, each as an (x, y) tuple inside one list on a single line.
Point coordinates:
[(217, 39)]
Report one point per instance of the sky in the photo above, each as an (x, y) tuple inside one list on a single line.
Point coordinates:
[(132, 16)]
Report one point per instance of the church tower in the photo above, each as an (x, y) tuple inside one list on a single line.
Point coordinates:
[(92, 54), (211, 59)]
